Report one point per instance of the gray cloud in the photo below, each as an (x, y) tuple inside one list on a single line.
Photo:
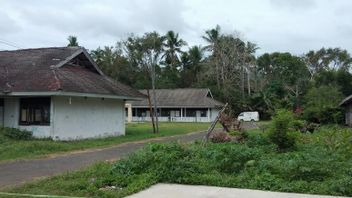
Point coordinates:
[(275, 25), (293, 4)]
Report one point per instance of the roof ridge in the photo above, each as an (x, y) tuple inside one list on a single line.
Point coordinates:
[(41, 48), (180, 88)]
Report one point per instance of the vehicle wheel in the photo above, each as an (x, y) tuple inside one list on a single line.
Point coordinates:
[(252, 120), (241, 120)]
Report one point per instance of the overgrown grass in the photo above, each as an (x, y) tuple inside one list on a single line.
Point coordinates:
[(321, 164), (15, 149)]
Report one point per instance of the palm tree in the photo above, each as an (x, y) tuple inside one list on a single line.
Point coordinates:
[(195, 55), (172, 46), (72, 41), (212, 37)]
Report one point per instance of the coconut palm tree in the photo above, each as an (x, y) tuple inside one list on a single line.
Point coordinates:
[(172, 47), (212, 37), (72, 41)]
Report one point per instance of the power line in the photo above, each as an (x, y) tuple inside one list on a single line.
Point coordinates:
[(9, 44)]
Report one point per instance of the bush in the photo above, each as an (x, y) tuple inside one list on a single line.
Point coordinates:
[(220, 137), (16, 134), (280, 131), (321, 105), (255, 164), (298, 125)]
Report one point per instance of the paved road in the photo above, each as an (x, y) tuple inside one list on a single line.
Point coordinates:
[(177, 190), (17, 172)]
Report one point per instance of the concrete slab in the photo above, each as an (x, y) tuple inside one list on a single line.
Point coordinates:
[(177, 191)]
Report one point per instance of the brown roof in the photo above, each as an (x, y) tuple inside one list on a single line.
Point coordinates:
[(189, 97), (57, 69)]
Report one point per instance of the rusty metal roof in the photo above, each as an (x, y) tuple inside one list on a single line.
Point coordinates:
[(64, 69), (187, 97)]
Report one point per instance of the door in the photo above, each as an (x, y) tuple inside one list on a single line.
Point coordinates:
[(1, 112)]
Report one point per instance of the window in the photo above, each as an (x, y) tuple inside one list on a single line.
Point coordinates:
[(191, 113), (34, 111), (203, 113)]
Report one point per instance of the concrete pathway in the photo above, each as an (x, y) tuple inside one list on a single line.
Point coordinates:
[(184, 191), (17, 172)]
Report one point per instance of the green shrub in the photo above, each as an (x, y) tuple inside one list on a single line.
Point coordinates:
[(16, 134), (320, 164), (280, 131), (298, 125), (321, 105)]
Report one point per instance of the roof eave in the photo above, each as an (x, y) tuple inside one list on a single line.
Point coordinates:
[(72, 94), (135, 106), (346, 100)]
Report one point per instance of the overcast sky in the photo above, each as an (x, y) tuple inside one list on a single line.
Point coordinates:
[(295, 26)]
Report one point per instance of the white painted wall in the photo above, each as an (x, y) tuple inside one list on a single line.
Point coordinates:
[(214, 113), (209, 118), (11, 112), (11, 119), (87, 117)]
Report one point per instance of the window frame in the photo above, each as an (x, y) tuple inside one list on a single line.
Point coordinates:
[(32, 106)]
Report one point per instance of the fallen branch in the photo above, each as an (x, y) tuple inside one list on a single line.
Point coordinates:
[(212, 126)]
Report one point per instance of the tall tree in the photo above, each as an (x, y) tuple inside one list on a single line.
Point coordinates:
[(288, 73), (212, 38), (72, 41), (191, 66), (324, 59), (146, 52), (173, 48)]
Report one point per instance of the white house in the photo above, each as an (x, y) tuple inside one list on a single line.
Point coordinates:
[(347, 105), (177, 105), (60, 93)]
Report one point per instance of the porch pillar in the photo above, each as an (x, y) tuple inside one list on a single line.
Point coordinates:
[(181, 114), (129, 112), (208, 114)]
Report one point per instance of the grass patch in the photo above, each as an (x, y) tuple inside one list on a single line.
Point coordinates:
[(321, 164), (15, 149)]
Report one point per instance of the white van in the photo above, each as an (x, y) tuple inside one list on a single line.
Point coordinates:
[(248, 116)]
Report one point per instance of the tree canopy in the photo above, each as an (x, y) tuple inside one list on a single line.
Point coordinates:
[(229, 65)]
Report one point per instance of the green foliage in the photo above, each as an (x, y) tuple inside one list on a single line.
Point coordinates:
[(15, 149), (280, 131), (231, 71), (298, 125), (16, 134), (72, 41), (321, 164), (321, 105)]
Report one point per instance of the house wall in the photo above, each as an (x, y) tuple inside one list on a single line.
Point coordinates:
[(210, 115), (11, 119), (348, 115), (213, 113), (79, 118), (1, 112)]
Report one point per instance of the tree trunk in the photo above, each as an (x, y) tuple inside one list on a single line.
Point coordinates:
[(249, 82), (151, 111), (154, 100)]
